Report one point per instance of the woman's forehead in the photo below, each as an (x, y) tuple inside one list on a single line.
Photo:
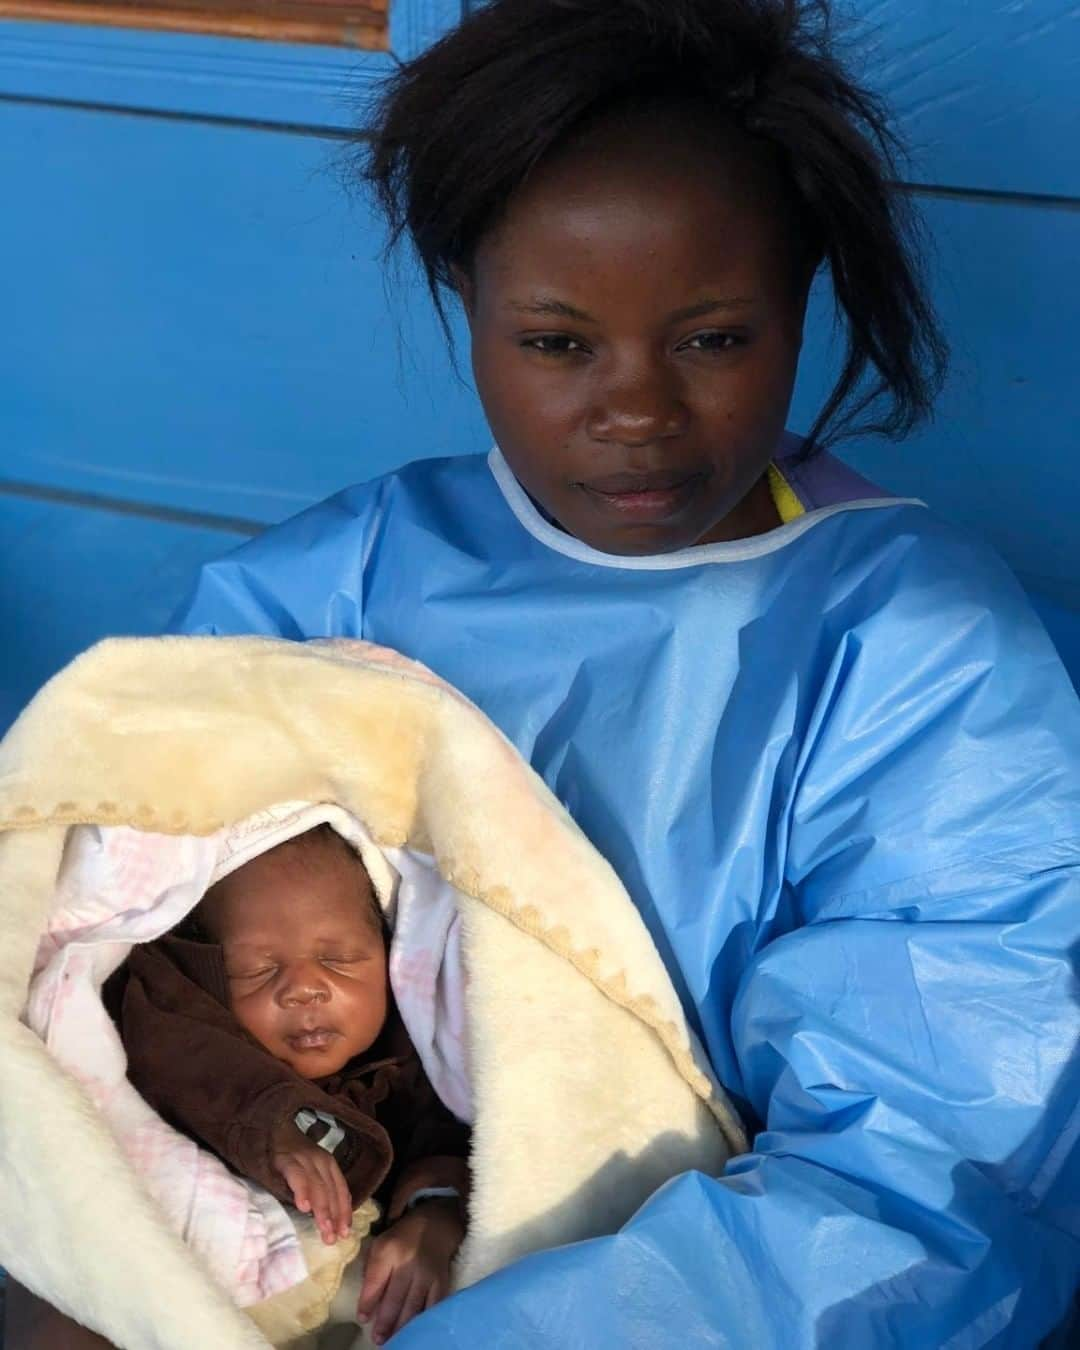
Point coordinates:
[(643, 217)]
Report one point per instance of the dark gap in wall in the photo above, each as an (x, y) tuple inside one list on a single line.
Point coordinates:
[(199, 119), (1047, 200), (94, 501), (1052, 201)]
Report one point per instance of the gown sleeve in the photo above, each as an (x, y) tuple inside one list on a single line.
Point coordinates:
[(910, 1043), (298, 580)]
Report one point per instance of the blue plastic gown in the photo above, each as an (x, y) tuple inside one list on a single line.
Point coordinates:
[(838, 768)]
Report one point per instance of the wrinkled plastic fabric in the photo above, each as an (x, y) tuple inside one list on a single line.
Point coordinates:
[(838, 772)]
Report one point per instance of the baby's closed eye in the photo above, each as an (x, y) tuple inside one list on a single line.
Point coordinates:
[(257, 973)]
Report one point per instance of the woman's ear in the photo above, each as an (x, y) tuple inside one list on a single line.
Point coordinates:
[(463, 284)]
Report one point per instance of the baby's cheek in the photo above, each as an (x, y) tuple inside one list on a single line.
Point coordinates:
[(258, 1019), (366, 1011)]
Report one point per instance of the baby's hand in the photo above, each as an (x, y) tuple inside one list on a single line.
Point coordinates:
[(408, 1267), (315, 1179)]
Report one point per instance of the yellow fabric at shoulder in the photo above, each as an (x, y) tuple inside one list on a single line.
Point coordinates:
[(788, 506)]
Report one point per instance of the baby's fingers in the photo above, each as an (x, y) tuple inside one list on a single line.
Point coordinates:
[(324, 1208), (297, 1181), (343, 1199)]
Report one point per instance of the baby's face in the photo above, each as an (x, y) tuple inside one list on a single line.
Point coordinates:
[(305, 962)]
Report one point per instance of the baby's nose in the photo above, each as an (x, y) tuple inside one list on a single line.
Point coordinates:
[(305, 985)]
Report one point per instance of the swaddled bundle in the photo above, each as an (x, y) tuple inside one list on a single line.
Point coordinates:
[(150, 761)]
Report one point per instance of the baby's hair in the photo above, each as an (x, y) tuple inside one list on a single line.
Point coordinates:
[(300, 846), (458, 130)]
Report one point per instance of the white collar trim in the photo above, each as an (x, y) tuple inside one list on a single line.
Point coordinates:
[(738, 550)]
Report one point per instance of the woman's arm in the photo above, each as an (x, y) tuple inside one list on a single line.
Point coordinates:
[(913, 1045), (30, 1324)]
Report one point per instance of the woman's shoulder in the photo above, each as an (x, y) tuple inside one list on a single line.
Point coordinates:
[(340, 517), (880, 549), (437, 479), (278, 582), (907, 570)]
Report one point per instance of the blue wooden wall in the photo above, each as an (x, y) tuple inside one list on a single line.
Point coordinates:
[(197, 339)]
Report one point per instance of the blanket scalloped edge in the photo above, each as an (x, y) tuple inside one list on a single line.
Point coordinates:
[(184, 735)]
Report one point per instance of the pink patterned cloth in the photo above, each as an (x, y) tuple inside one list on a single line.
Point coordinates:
[(119, 886)]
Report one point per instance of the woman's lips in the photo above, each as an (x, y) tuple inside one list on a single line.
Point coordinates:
[(643, 497), (316, 1039)]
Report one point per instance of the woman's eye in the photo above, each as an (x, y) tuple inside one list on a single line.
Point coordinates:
[(554, 344), (713, 342)]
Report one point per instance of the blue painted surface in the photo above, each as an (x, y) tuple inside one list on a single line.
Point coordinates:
[(1063, 625), (220, 339), (984, 90), (198, 317), (223, 339), (186, 73), (1000, 455), (71, 575)]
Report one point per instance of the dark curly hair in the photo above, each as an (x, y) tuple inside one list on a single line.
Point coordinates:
[(456, 132)]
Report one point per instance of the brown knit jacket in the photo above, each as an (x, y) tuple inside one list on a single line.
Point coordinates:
[(207, 1076)]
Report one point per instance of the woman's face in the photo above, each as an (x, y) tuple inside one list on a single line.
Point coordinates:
[(636, 319), (306, 964)]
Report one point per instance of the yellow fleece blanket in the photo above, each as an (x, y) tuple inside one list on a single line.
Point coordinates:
[(588, 1091)]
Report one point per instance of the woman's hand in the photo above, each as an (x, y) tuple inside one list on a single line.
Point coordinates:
[(408, 1267), (316, 1181), (31, 1324), (425, 1174)]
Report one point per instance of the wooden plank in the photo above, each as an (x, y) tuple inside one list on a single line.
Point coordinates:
[(70, 576), (188, 74), (329, 22)]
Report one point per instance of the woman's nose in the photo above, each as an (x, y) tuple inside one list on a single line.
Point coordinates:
[(637, 406), (303, 984)]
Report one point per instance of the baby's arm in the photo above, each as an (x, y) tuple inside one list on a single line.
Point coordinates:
[(316, 1181), (195, 1065)]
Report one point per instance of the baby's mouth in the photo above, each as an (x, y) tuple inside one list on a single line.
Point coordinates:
[(317, 1038)]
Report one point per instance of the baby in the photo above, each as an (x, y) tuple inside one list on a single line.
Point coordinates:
[(265, 1029)]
